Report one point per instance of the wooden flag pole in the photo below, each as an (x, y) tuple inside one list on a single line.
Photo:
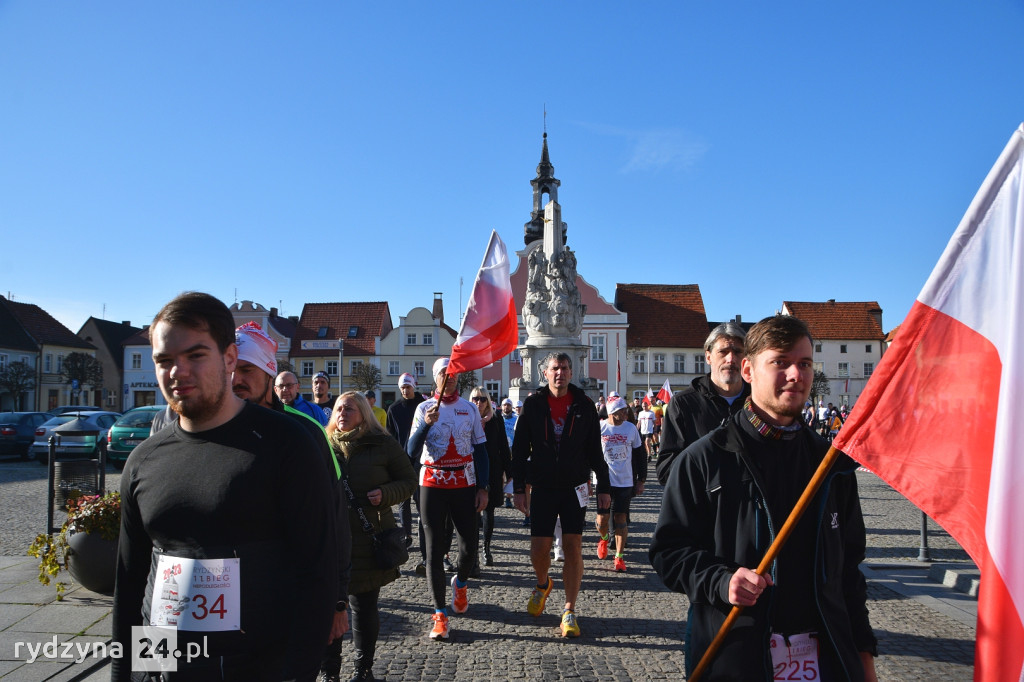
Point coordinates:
[(773, 551)]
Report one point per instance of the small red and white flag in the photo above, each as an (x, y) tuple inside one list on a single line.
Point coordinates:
[(490, 329), (940, 418), (665, 394)]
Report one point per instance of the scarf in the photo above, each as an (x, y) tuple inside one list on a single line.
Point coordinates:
[(768, 430)]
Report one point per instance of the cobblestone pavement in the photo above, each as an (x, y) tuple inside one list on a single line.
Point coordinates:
[(632, 626)]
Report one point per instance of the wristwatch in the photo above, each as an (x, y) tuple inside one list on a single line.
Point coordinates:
[(342, 605)]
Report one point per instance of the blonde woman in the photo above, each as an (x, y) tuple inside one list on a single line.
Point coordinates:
[(500, 458), (380, 475)]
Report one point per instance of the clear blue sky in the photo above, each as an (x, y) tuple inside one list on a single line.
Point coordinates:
[(326, 151)]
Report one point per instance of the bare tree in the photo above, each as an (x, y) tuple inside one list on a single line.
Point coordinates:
[(467, 382), (366, 376), (17, 379), (83, 368), (820, 387)]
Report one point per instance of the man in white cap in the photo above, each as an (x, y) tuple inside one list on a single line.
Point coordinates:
[(399, 425), (627, 470), (448, 438)]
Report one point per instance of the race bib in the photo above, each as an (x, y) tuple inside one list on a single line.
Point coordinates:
[(196, 594), (470, 473), (797, 658), (583, 494)]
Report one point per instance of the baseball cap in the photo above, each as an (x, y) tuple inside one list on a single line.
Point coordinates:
[(519, 403), (256, 347), (616, 404), (407, 380), (439, 364), (506, 401)]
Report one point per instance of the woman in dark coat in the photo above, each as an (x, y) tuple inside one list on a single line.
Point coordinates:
[(500, 459), (380, 475)]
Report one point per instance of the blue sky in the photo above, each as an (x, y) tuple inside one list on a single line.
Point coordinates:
[(323, 151)]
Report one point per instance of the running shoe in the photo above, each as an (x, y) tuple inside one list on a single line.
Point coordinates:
[(440, 628), (570, 628), (602, 549), (460, 598), (620, 564), (538, 598)]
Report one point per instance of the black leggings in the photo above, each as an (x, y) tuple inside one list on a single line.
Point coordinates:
[(365, 626), (437, 505), (488, 519)]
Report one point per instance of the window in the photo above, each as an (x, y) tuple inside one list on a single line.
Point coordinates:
[(698, 363), (842, 348), (659, 363), (353, 366), (597, 342), (680, 363), (321, 333), (867, 348), (817, 348), (393, 368), (492, 388), (844, 369), (307, 368), (3, 361), (516, 357), (410, 339), (48, 363), (60, 363), (353, 331), (640, 364), (331, 367), (428, 338), (417, 368), (819, 367), (136, 360), (869, 368), (639, 395)]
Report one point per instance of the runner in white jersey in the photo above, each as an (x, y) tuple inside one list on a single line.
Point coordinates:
[(627, 470)]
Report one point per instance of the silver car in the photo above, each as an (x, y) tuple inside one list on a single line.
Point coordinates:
[(74, 446)]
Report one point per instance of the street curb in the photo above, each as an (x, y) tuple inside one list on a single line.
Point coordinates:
[(958, 577)]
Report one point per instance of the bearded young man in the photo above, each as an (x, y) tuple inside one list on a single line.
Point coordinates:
[(233, 490), (725, 499)]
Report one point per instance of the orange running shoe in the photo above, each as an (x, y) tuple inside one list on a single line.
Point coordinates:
[(602, 549), (620, 564), (460, 600), (440, 629)]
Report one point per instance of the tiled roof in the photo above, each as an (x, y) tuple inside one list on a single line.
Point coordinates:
[(12, 335), (113, 335), (44, 328), (663, 315), (140, 339), (839, 320), (371, 319), (891, 336), (284, 326)]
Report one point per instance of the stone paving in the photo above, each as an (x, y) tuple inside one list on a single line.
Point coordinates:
[(632, 626)]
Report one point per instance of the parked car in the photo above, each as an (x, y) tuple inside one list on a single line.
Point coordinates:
[(18, 430), (74, 446), (128, 431), (65, 409)]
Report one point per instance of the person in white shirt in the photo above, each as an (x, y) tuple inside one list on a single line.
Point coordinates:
[(627, 470)]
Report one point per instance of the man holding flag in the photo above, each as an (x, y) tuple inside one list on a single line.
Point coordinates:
[(725, 500)]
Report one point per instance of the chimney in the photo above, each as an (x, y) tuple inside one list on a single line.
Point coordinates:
[(832, 301), (739, 319), (877, 314), (126, 323), (438, 310), (273, 312)]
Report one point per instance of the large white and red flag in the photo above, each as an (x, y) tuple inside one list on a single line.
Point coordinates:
[(490, 330), (665, 392), (939, 420)]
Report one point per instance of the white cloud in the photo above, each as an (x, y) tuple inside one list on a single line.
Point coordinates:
[(657, 149)]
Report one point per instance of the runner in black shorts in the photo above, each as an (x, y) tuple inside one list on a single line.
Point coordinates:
[(627, 470)]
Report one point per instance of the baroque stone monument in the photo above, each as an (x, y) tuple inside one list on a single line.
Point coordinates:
[(552, 313)]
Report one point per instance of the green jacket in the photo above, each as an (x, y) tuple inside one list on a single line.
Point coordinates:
[(374, 461)]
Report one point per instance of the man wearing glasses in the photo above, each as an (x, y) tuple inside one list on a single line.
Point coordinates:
[(286, 386)]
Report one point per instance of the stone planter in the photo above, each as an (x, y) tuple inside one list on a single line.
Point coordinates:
[(92, 562)]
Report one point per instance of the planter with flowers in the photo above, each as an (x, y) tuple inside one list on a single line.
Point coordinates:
[(86, 544)]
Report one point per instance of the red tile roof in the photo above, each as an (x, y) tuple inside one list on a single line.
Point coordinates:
[(663, 315), (371, 319), (839, 320), (44, 328)]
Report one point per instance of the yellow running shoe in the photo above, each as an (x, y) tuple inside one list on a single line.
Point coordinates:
[(538, 598), (570, 628)]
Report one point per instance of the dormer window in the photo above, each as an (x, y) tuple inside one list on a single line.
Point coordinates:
[(352, 331), (321, 333)]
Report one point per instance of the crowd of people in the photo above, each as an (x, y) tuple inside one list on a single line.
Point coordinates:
[(247, 480)]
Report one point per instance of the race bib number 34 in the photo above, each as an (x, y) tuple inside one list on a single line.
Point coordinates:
[(196, 594)]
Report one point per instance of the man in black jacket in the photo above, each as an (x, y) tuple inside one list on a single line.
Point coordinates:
[(399, 424), (702, 406), (727, 497), (557, 443)]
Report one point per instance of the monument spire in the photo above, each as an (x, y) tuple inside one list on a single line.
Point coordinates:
[(545, 189)]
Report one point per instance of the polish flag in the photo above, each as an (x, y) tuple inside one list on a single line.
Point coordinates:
[(490, 330), (940, 418), (665, 393)]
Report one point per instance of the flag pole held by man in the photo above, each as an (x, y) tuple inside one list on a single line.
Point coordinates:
[(939, 420)]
